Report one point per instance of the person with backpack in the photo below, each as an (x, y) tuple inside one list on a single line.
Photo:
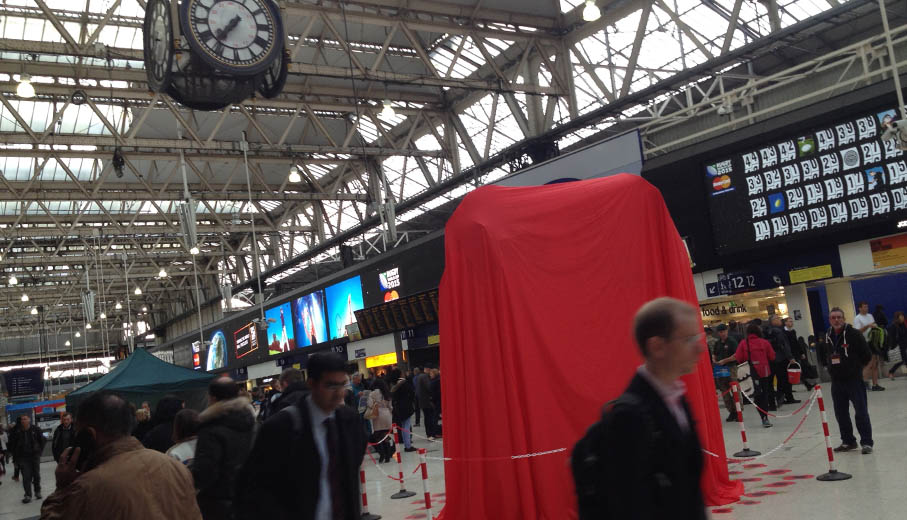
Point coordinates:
[(897, 339), (403, 398), (774, 334), (759, 353), (316, 445), (643, 460)]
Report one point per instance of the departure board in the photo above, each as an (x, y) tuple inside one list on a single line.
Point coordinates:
[(829, 178)]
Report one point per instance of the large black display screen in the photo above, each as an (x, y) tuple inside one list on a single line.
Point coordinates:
[(833, 177)]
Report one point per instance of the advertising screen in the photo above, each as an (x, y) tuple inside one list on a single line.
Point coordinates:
[(815, 182), (280, 337), (309, 319), (245, 340), (217, 351), (343, 299), (196, 355)]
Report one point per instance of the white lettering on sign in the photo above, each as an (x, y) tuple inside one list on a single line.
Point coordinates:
[(880, 202), (810, 169), (897, 172), (788, 151), (814, 194), (831, 165), (859, 208), (846, 134), (867, 127), (838, 212), (750, 162), (799, 222), (791, 174), (891, 149), (899, 198), (772, 180), (834, 188), (826, 139), (872, 152), (780, 226), (754, 184), (818, 218), (763, 231), (759, 206), (795, 198), (856, 183), (769, 156)]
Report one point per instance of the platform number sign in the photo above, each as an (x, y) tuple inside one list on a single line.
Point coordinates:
[(832, 177)]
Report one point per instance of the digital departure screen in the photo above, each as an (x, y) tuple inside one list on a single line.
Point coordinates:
[(829, 178), (245, 340)]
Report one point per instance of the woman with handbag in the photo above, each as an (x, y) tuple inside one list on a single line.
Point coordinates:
[(897, 336), (759, 354), (380, 412)]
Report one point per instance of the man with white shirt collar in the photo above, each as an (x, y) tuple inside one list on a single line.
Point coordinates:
[(318, 443), (652, 461)]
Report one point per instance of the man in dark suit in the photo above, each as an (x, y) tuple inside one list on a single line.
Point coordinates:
[(317, 443), (652, 454)]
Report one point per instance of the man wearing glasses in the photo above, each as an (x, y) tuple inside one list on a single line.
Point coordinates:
[(845, 354), (650, 455), (318, 443)]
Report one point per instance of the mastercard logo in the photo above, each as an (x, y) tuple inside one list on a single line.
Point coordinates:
[(391, 296), (721, 183)]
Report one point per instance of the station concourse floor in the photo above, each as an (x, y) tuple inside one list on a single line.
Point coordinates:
[(874, 492)]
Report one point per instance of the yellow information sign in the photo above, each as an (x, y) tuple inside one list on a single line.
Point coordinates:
[(810, 273), (889, 251), (380, 361)]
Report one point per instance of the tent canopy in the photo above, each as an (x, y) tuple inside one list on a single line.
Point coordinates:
[(539, 292), (143, 377)]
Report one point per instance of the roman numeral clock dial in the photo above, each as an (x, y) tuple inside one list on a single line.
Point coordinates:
[(238, 36)]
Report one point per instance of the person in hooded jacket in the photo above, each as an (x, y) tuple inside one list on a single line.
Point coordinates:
[(774, 334), (160, 438), (293, 387), (224, 440)]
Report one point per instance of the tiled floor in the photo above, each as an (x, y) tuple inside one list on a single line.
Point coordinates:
[(783, 488)]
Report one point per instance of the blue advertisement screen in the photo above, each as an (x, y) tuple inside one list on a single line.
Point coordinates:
[(343, 300), (217, 352), (280, 336), (309, 318)]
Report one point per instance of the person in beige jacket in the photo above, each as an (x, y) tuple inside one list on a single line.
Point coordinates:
[(110, 475)]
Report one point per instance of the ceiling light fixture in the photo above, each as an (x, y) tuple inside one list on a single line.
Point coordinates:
[(25, 89), (144, 308), (138, 291), (24, 297), (78, 334), (163, 273), (194, 250), (88, 326), (13, 280), (388, 110), (591, 12), (34, 311), (67, 343), (118, 306), (294, 175), (103, 316)]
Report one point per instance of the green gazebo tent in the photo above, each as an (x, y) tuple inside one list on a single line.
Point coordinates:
[(143, 377)]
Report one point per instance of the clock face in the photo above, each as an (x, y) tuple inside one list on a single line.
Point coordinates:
[(158, 37), (239, 35)]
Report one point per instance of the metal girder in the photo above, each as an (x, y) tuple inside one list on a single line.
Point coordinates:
[(233, 147), (50, 191), (42, 153), (87, 232), (478, 14)]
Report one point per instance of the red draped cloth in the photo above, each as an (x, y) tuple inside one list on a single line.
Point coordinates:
[(539, 292)]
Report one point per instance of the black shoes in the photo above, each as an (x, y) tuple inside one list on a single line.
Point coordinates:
[(38, 495), (877, 388), (846, 447), (26, 500), (731, 417), (867, 450), (792, 401), (410, 449)]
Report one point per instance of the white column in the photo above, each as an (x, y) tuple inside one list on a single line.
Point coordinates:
[(798, 309), (840, 294)]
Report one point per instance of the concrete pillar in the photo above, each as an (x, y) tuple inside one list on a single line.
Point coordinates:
[(840, 294), (798, 308)]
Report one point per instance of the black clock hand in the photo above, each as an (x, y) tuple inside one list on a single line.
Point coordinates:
[(220, 34)]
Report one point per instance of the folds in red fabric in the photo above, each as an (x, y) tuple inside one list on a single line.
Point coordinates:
[(537, 300)]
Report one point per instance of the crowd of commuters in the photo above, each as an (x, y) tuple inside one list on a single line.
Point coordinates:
[(119, 461)]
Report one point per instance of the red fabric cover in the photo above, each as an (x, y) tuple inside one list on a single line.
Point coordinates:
[(537, 300)]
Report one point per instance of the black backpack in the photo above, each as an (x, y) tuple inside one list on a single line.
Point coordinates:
[(588, 464)]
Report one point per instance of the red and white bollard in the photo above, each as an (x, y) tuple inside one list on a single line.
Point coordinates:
[(832, 474), (365, 514), (425, 483), (403, 493), (746, 452)]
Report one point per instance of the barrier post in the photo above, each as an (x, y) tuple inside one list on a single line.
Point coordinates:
[(746, 452), (425, 483), (833, 474), (403, 493), (365, 514)]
